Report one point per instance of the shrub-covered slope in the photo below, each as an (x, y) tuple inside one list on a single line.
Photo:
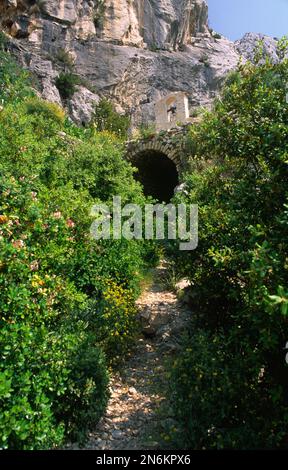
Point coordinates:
[(66, 301), (230, 384)]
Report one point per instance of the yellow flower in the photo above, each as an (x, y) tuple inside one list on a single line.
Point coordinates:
[(3, 219)]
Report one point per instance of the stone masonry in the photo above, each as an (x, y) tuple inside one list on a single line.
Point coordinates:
[(171, 110), (171, 143)]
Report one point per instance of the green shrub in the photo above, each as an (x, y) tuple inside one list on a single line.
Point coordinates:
[(40, 342), (113, 319), (27, 421), (221, 398), (53, 377), (33, 144), (50, 111), (238, 177), (98, 165), (86, 394), (66, 83), (105, 118), (14, 81)]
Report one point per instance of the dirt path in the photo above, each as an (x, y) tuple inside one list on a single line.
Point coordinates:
[(137, 391)]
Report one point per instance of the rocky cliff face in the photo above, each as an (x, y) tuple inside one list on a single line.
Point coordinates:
[(246, 46), (131, 51)]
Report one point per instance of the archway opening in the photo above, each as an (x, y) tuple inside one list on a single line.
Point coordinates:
[(157, 173)]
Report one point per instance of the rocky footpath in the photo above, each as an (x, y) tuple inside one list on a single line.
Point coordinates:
[(132, 420)]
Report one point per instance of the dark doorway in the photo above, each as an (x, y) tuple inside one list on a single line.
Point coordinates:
[(157, 173)]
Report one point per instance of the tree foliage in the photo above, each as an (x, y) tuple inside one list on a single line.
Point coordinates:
[(230, 384), (66, 301)]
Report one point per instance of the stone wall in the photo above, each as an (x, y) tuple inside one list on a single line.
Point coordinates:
[(171, 143), (171, 111)]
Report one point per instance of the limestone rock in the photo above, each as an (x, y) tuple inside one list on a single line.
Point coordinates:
[(11, 3), (46, 73), (157, 23), (132, 52), (50, 92), (82, 104), (60, 10), (117, 434), (193, 20), (21, 28), (145, 315), (149, 331), (249, 43)]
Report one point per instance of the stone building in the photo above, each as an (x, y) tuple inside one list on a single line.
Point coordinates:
[(172, 111)]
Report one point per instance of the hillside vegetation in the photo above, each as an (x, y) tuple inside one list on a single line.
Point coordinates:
[(230, 383), (67, 302)]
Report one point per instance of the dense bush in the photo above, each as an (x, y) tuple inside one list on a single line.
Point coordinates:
[(105, 118), (230, 385), (67, 301), (50, 111), (14, 82), (41, 348), (114, 320), (35, 142), (66, 83)]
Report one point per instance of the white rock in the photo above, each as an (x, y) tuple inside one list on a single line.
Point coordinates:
[(116, 434), (82, 105), (145, 50)]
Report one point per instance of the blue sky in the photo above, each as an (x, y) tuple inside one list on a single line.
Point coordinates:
[(234, 18)]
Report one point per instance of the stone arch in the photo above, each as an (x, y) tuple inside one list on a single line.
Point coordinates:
[(165, 149), (158, 170), (171, 145)]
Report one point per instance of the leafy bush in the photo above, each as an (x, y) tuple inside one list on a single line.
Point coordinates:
[(33, 143), (40, 345), (57, 303), (86, 394), (221, 397), (238, 177), (66, 83), (105, 118), (14, 82), (97, 164), (50, 111), (114, 320)]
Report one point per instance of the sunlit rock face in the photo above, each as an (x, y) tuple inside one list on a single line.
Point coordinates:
[(251, 41), (132, 51), (158, 23)]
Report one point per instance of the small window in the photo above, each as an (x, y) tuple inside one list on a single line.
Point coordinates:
[(171, 109)]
